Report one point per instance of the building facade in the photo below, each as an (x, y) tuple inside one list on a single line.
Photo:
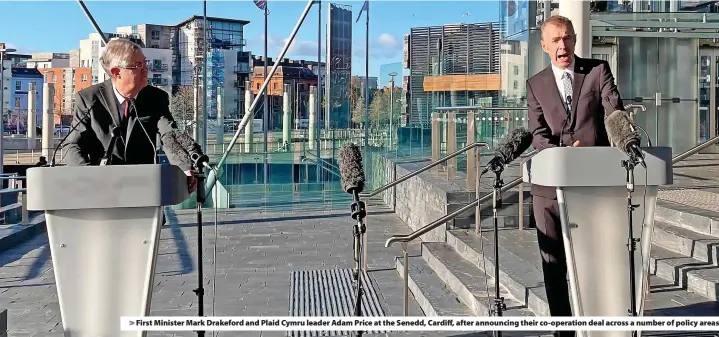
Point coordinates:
[(19, 91), (451, 65), (228, 65), (67, 82), (48, 60)]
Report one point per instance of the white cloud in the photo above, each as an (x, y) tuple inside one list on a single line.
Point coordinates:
[(388, 41)]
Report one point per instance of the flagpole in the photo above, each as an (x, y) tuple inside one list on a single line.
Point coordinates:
[(366, 88), (265, 114)]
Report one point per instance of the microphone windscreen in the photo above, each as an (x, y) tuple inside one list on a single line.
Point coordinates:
[(174, 151), (186, 141), (620, 129), (351, 171), (516, 142)]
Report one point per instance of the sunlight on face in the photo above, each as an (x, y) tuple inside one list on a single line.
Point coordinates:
[(131, 79), (558, 42)]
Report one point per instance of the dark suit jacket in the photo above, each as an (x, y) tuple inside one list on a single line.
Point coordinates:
[(594, 95), (97, 112)]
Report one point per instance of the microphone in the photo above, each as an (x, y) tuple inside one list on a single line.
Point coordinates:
[(175, 152), (193, 149), (62, 141), (351, 171), (516, 142), (622, 133), (115, 132)]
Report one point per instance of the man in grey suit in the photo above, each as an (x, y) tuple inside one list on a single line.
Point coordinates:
[(567, 103), (124, 104)]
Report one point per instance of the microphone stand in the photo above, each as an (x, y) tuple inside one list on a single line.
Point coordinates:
[(499, 304), (631, 241), (358, 231), (200, 200)]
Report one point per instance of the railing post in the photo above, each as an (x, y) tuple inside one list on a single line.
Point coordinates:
[(471, 154), (451, 144), (477, 215), (25, 216), (521, 195), (405, 257), (435, 140)]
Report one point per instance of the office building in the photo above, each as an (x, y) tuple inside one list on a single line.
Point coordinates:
[(451, 65), (228, 65), (338, 110), (48, 60)]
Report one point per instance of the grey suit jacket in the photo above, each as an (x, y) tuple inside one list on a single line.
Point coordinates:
[(594, 95), (97, 113)]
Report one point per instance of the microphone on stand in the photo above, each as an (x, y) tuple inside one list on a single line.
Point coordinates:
[(353, 180), (512, 146), (107, 159), (621, 132), (199, 159)]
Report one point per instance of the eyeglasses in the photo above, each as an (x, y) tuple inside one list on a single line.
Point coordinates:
[(139, 65)]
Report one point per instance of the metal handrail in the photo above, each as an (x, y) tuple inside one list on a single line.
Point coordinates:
[(434, 224), (695, 150), (489, 108), (423, 169)]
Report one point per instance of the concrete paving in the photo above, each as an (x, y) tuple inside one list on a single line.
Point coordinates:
[(256, 254)]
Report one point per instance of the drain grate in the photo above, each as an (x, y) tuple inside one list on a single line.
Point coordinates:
[(330, 293)]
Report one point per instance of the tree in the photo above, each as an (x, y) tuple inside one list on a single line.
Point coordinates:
[(380, 107), (183, 106), (358, 109)]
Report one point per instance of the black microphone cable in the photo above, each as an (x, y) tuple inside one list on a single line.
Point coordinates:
[(62, 141), (133, 111)]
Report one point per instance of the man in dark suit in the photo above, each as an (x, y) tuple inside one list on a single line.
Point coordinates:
[(567, 104), (125, 104)]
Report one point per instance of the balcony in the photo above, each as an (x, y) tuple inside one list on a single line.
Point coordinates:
[(242, 68), (157, 81), (238, 84), (158, 67)]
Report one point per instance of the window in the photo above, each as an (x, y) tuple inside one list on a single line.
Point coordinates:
[(516, 70), (515, 84), (18, 85), (83, 78)]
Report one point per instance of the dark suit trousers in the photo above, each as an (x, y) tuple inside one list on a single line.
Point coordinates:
[(554, 263)]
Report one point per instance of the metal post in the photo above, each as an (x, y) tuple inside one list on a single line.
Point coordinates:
[(93, 22), (265, 112), (212, 177), (2, 106), (204, 77), (405, 258), (318, 110)]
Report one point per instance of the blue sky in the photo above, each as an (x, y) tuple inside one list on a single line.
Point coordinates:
[(58, 26)]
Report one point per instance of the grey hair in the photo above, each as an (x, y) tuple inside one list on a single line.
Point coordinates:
[(117, 53)]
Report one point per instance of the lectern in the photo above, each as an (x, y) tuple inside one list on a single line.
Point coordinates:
[(592, 195), (103, 224)]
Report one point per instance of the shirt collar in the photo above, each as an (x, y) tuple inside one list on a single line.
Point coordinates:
[(120, 98), (558, 72)]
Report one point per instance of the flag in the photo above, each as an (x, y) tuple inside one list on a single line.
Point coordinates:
[(365, 7), (261, 4)]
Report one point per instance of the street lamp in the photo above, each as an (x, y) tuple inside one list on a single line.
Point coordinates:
[(391, 107), (2, 101)]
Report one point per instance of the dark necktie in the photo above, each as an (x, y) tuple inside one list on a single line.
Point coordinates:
[(128, 102)]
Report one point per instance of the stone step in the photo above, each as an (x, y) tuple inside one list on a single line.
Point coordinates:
[(432, 295), (523, 280), (696, 276), (702, 247), (471, 284), (696, 219)]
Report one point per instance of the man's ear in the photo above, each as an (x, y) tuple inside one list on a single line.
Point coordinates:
[(115, 72)]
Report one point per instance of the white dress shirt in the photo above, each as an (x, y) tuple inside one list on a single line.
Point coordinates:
[(122, 101), (558, 73)]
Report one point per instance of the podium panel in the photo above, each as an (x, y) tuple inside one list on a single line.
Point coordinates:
[(103, 224), (104, 262), (592, 193)]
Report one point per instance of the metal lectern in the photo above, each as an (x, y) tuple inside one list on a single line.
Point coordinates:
[(103, 224), (592, 193)]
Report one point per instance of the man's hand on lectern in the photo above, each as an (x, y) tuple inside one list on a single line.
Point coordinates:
[(191, 181), (575, 144)]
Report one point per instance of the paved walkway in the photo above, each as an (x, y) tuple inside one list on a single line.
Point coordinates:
[(255, 256)]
